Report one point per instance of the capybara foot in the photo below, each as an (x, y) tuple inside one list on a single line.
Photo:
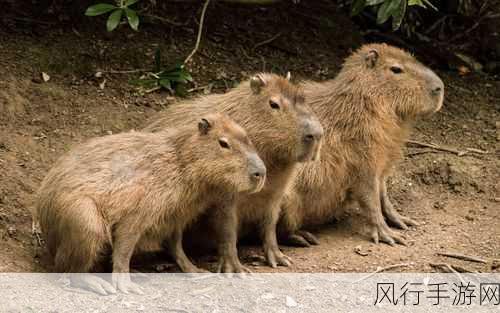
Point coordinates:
[(382, 233), (231, 265), (397, 220), (275, 257), (92, 283), (301, 239), (122, 282), (394, 218)]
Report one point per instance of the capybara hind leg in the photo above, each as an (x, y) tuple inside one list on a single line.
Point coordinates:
[(367, 193), (177, 251), (392, 216), (125, 238)]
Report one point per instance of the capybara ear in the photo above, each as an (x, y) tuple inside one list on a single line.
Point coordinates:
[(288, 75), (371, 58), (204, 126), (256, 83)]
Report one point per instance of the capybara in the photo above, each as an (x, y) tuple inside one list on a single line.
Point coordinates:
[(128, 191), (284, 131), (367, 112)]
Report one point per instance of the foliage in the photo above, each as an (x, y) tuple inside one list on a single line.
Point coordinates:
[(173, 78), (386, 9), (117, 12)]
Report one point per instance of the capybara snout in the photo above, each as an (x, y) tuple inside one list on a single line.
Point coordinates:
[(256, 171), (311, 138)]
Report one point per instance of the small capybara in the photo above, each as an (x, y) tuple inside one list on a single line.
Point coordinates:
[(128, 191), (284, 131), (367, 112)]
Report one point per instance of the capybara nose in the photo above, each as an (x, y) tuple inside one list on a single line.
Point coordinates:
[(313, 131), (437, 90), (256, 167)]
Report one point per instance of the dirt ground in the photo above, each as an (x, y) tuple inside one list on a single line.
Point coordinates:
[(455, 198)]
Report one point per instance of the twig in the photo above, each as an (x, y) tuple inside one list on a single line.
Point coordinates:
[(200, 29), (422, 152), (382, 269), (123, 71), (445, 267), (462, 257), (265, 42), (433, 146), (152, 89)]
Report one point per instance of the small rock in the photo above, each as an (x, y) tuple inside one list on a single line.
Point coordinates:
[(290, 302), (45, 77), (11, 230)]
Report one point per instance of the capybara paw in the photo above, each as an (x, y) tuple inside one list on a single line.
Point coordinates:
[(382, 233), (310, 238), (227, 265), (275, 257), (122, 282), (92, 283), (397, 220)]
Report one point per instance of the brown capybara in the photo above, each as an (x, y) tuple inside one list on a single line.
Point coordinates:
[(130, 191), (367, 112), (284, 132)]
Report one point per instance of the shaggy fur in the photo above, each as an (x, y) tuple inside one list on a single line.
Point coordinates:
[(272, 111), (133, 190), (367, 112)]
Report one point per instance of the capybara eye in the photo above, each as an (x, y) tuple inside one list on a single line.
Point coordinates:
[(274, 105), (396, 70), (223, 144)]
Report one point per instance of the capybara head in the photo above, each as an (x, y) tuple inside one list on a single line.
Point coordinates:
[(283, 127), (395, 80), (223, 154)]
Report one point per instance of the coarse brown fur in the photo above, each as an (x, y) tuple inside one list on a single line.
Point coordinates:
[(367, 112), (284, 132), (131, 191)]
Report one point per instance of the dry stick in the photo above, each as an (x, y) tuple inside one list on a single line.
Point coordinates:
[(462, 257), (448, 269), (382, 269), (265, 42), (429, 145), (200, 29)]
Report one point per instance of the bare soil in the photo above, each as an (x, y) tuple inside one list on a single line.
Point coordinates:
[(455, 198)]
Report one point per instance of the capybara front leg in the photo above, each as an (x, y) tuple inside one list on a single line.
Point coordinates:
[(177, 252), (125, 238), (272, 252), (227, 241)]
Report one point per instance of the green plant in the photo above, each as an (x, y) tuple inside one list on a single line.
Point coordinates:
[(386, 9), (173, 78), (122, 8)]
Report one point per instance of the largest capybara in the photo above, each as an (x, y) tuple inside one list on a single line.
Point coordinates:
[(367, 112), (131, 191), (284, 132)]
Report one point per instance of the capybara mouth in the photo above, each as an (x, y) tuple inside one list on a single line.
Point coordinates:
[(258, 185), (312, 153)]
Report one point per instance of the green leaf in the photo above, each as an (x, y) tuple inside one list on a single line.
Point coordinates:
[(386, 10), (357, 7), (114, 19), (99, 9), (133, 19), (130, 2), (428, 3), (398, 15), (165, 83), (373, 2)]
